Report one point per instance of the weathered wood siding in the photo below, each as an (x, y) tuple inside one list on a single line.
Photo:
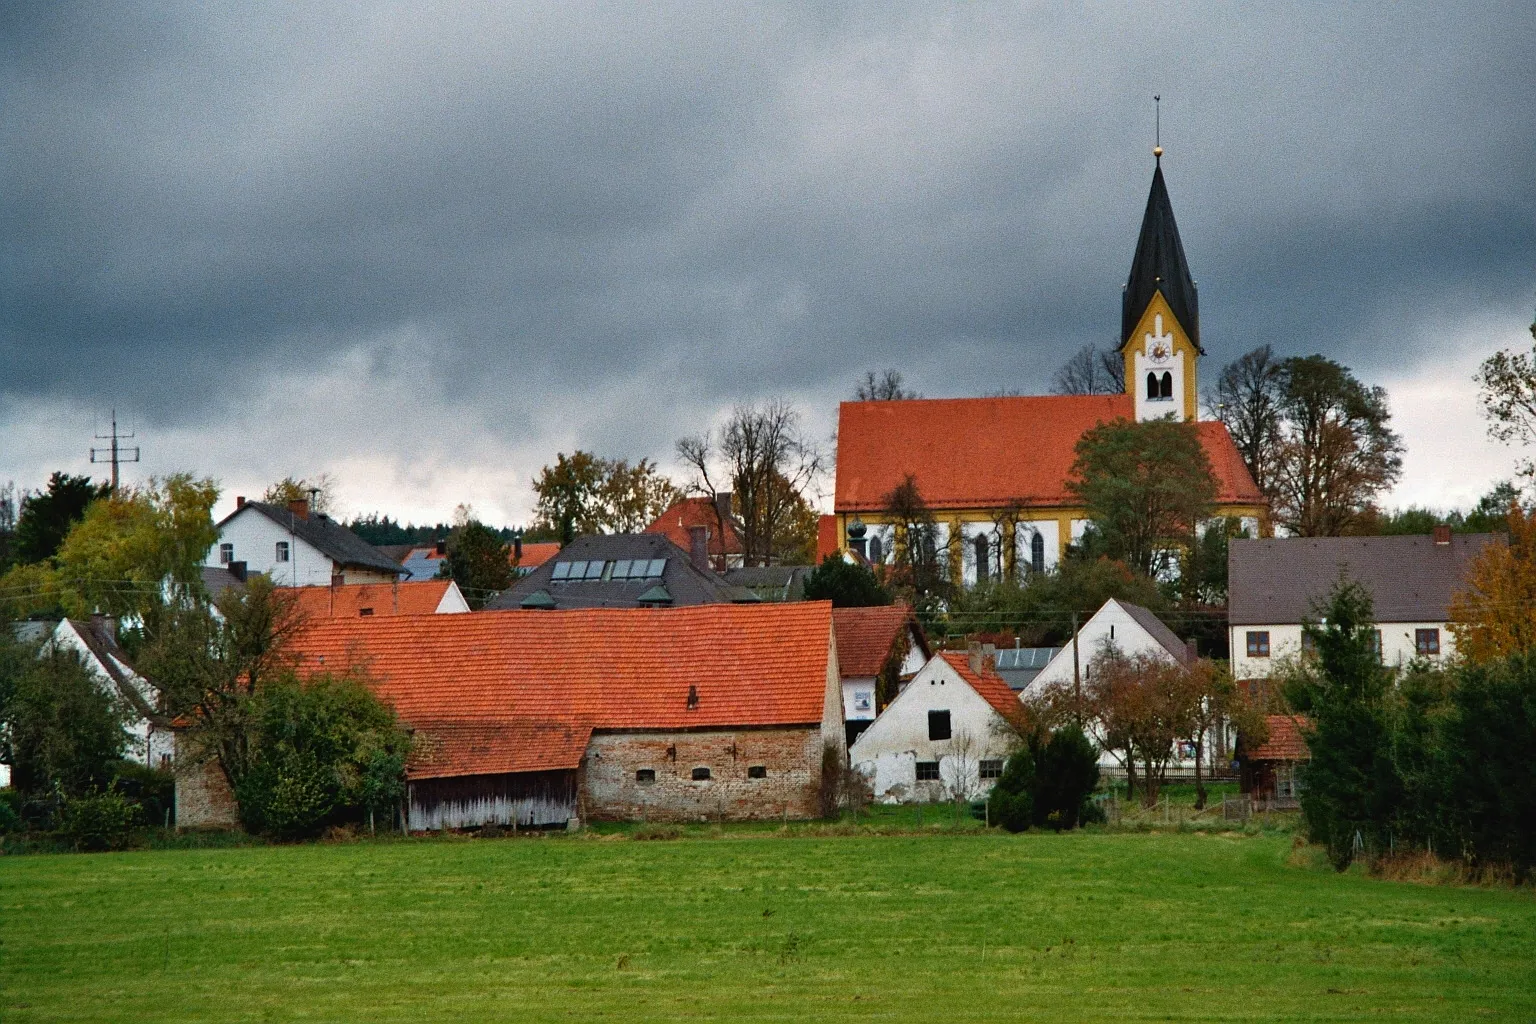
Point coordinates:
[(528, 799)]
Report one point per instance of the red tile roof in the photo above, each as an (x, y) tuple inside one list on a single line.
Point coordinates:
[(609, 668), (1285, 742), (347, 601), (991, 686), (865, 637), (989, 452), (535, 554), (490, 747), (686, 512)]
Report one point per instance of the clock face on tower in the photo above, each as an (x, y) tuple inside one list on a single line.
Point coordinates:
[(1160, 352), (1159, 344)]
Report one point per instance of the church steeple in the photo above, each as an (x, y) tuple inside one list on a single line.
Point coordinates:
[(1160, 265), (1160, 315)]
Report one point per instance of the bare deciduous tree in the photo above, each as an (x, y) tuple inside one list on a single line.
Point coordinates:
[(960, 765), (1091, 372), (1247, 399), (769, 462), (883, 387), (1507, 389)]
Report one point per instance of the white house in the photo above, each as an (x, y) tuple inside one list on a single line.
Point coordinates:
[(152, 742), (1275, 584), (1129, 628), (946, 734), (295, 548)]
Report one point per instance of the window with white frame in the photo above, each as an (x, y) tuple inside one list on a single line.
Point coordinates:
[(226, 553), (282, 551)]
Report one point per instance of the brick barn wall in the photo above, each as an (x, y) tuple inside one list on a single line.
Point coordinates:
[(203, 797), (792, 757)]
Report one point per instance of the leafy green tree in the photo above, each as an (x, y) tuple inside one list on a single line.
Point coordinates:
[(1352, 786), (479, 562), (845, 584), (1145, 486), (583, 493), (60, 730), (47, 516)]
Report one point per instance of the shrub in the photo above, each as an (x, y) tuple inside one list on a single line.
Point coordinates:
[(1012, 800), (151, 788), (845, 584), (1066, 774), (99, 821), (10, 813)]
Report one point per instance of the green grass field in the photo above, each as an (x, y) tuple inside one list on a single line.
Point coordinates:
[(944, 927)]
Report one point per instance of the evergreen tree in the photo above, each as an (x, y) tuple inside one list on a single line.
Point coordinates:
[(845, 584)]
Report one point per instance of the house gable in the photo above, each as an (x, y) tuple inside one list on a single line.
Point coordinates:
[(1128, 628)]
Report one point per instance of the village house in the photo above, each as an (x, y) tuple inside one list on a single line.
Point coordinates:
[(94, 640), (354, 600), (879, 650), (994, 471), (1277, 584), (295, 548), (713, 712), (945, 736), (722, 533), (623, 570), (1127, 628)]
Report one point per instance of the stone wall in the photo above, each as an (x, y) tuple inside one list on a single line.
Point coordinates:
[(203, 797), (790, 760)]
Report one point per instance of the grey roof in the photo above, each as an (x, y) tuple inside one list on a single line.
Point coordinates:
[(108, 655), (1159, 265), (1019, 665), (687, 584), (772, 582), (1411, 579), (217, 579), (1155, 627), (325, 535)]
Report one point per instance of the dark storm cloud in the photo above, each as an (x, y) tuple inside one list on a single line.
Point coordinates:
[(714, 203)]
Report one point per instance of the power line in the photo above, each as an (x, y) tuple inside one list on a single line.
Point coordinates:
[(116, 453)]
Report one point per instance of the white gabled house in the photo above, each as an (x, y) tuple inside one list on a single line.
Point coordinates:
[(1128, 628), (151, 741), (295, 548), (946, 734)]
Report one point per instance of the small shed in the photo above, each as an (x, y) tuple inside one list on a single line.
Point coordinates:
[(1272, 772)]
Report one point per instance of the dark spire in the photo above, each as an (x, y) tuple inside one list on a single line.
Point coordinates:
[(1160, 266)]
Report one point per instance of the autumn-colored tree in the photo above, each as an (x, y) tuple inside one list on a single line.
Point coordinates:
[(318, 490), (1495, 616), (583, 493)]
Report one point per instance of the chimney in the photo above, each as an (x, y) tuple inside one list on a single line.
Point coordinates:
[(104, 626), (237, 570), (337, 579), (974, 655), (698, 547), (723, 504), (299, 507), (442, 547), (239, 503), (517, 546), (1442, 535)]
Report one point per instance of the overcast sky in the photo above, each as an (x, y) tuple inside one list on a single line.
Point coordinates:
[(426, 248)]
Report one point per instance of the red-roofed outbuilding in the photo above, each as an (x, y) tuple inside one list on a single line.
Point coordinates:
[(540, 716)]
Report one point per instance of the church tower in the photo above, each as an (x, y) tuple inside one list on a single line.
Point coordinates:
[(1160, 316)]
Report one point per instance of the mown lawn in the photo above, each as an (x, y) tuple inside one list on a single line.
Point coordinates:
[(956, 927)]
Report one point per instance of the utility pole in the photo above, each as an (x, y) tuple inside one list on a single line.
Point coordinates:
[(1077, 677), (116, 453)]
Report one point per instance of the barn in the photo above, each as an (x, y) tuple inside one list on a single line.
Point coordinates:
[(709, 712)]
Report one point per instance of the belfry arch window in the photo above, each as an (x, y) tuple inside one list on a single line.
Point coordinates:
[(1167, 385), (980, 544), (1037, 552), (1152, 388)]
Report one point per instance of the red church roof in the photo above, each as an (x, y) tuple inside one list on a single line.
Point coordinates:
[(989, 452)]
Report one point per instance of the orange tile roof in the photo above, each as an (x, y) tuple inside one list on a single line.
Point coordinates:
[(1285, 741), (455, 747), (826, 537), (865, 637), (535, 554), (698, 511), (990, 452), (603, 668), (991, 686), (348, 600)]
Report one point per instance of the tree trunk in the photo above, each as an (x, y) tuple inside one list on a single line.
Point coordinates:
[(1199, 782), (1130, 774)]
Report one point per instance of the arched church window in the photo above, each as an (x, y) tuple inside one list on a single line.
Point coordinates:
[(1152, 389), (876, 551), (1167, 384), (1037, 552), (981, 559)]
